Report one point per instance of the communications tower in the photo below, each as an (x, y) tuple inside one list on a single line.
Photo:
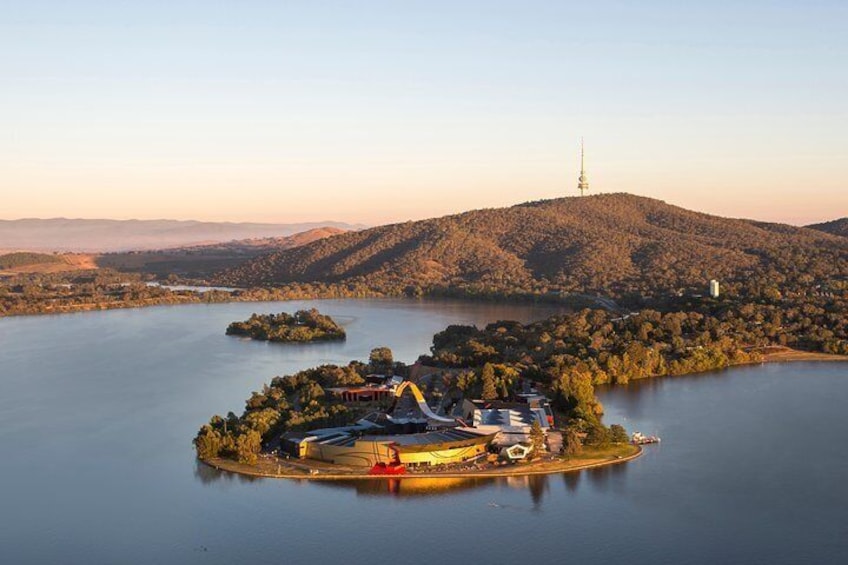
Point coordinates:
[(582, 181)]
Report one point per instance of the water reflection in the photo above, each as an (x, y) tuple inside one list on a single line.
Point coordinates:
[(210, 475), (633, 399), (602, 479), (599, 478), (407, 486), (537, 486), (571, 480)]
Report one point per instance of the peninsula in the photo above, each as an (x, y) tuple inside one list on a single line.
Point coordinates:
[(509, 398), (350, 423)]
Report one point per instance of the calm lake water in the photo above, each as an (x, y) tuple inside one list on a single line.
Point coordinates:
[(97, 412)]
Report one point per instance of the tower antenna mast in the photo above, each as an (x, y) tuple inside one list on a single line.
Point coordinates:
[(582, 181)]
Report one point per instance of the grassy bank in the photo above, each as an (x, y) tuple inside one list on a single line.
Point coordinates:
[(782, 354)]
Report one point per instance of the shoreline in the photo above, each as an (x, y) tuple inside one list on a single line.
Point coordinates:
[(786, 354), (181, 298), (286, 469), (275, 468)]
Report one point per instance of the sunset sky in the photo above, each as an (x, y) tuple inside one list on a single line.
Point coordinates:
[(381, 111)]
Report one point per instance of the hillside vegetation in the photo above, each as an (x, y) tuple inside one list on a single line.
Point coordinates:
[(202, 261), (617, 245), (835, 227), (25, 259)]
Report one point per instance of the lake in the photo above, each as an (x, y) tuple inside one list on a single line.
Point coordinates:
[(98, 409)]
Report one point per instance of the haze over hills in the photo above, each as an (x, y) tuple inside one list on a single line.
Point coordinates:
[(259, 244), (79, 235), (204, 260), (194, 261), (610, 243), (836, 227)]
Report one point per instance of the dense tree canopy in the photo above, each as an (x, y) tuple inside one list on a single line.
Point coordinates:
[(294, 402), (304, 325), (836, 227), (21, 259)]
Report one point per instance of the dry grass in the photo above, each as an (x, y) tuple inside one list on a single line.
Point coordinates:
[(69, 262), (781, 354)]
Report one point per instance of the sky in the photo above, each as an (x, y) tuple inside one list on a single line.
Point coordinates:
[(384, 111)]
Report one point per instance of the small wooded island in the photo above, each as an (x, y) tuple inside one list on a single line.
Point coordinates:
[(303, 326)]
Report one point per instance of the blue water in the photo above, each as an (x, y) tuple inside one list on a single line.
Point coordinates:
[(97, 412)]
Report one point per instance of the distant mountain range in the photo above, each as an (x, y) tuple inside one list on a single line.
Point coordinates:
[(193, 261), (60, 234), (606, 243), (836, 227)]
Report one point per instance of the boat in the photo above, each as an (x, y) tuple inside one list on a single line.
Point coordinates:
[(639, 438)]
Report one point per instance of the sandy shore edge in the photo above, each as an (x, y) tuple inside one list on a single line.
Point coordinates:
[(283, 469), (781, 355)]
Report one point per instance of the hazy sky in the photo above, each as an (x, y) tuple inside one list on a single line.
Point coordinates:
[(377, 111)]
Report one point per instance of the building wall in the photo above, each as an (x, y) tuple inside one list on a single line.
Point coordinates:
[(714, 288), (361, 454), (369, 453), (442, 456)]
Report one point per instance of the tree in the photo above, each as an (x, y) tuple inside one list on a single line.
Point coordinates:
[(381, 360), (618, 434), (572, 445), (537, 439), (207, 443), (504, 392), (465, 380), (598, 436), (487, 376), (248, 445)]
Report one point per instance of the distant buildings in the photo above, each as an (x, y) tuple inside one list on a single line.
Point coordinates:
[(714, 288)]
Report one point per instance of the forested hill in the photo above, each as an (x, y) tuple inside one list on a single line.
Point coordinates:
[(609, 243), (836, 227)]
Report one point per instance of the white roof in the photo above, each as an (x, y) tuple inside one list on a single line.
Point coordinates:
[(510, 417)]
